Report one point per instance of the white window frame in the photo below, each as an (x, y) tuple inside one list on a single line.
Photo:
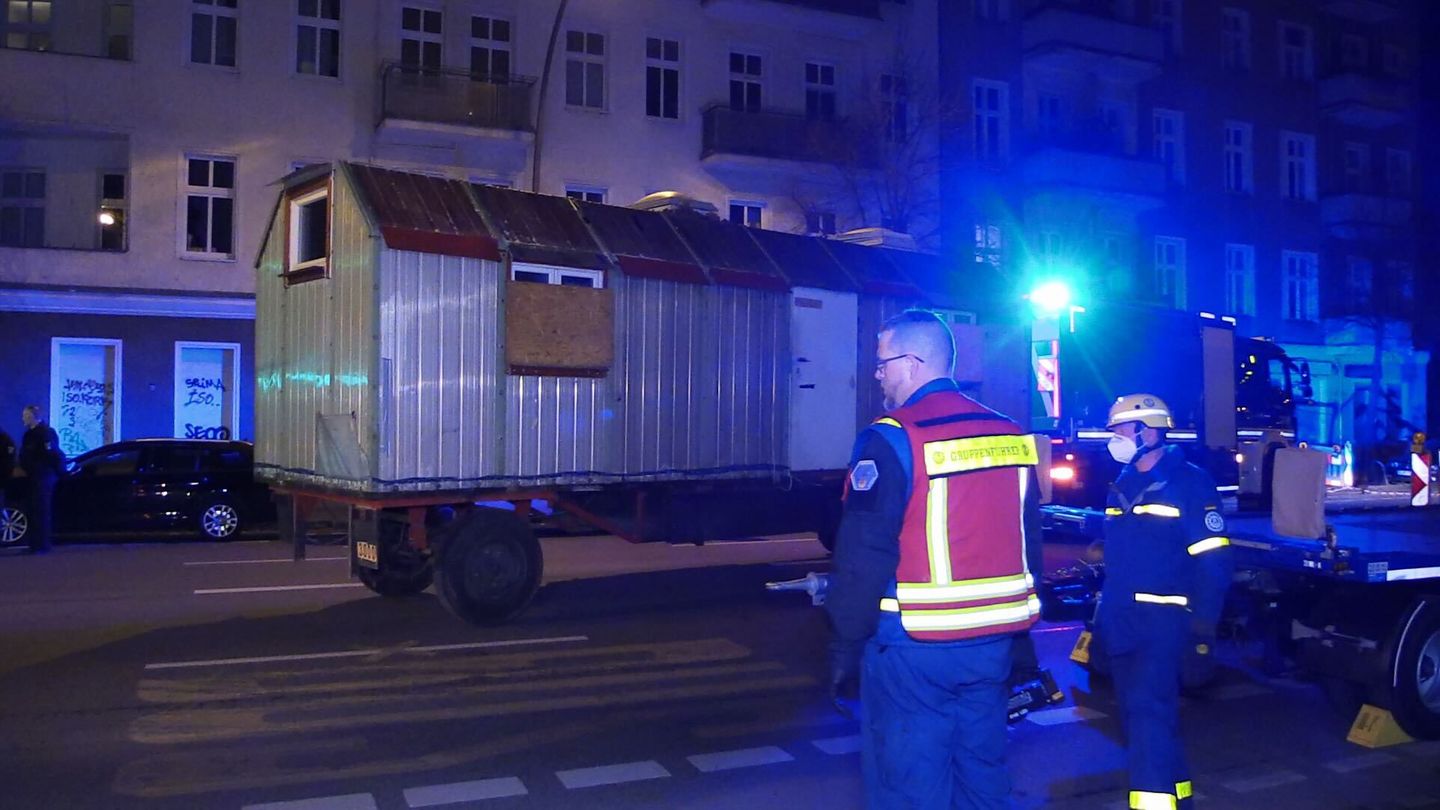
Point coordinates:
[(1399, 172), (746, 78), (586, 60), (750, 206), (292, 242), (1297, 61), (35, 36), (1299, 278), (1356, 179), (1235, 39), (233, 382), (215, 10), (1168, 16), (1170, 270), (187, 191), (1239, 139), (1297, 166), (491, 46), (114, 205), (818, 90), (56, 410), (665, 72), (587, 193), (421, 36), (556, 275), (25, 202), (1169, 142), (1240, 278), (320, 23), (989, 244), (990, 131)]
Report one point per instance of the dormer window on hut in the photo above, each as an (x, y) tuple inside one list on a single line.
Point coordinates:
[(308, 257), (561, 276)]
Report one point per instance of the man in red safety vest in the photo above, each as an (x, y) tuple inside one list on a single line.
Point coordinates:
[(930, 581)]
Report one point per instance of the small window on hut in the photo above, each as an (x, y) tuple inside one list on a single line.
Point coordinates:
[(563, 276), (309, 244), (559, 321)]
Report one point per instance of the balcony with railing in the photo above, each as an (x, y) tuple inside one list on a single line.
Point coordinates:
[(1090, 157), (486, 120), (770, 134), (101, 31), (1363, 99), (846, 19), (1087, 37), (1353, 210)]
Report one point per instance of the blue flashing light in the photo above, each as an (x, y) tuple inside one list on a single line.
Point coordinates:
[(1050, 298)]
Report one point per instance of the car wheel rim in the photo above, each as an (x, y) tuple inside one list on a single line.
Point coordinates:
[(220, 520), (12, 526), (1427, 673)]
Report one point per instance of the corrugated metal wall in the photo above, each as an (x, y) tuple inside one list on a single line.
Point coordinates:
[(315, 351), (441, 418)]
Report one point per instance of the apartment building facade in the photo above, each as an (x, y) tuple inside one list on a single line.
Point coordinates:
[(140, 144), (1246, 158)]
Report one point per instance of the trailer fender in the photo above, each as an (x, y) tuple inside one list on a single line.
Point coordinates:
[(401, 569), (490, 566)]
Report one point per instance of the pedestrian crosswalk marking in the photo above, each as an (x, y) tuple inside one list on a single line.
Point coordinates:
[(1356, 763), (1273, 779), (744, 758), (353, 801), (838, 745), (612, 774), (456, 792)]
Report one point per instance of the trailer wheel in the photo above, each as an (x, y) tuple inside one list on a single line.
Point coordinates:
[(398, 580), (490, 566), (1414, 688)]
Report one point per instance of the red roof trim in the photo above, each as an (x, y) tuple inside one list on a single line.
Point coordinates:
[(445, 244), (682, 272), (755, 281)]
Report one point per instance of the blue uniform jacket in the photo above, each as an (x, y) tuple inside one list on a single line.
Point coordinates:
[(1164, 537)]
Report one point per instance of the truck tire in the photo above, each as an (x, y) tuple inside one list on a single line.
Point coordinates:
[(490, 566), (1414, 683)]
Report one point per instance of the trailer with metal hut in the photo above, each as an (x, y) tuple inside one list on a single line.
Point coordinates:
[(434, 357)]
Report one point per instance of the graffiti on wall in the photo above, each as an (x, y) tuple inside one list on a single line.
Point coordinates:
[(204, 378), (85, 406)]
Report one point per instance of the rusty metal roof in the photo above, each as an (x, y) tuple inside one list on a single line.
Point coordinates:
[(727, 252), (540, 228), (423, 213), (804, 260), (642, 242), (876, 274)]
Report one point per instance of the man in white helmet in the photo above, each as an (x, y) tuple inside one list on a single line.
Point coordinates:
[(1167, 566)]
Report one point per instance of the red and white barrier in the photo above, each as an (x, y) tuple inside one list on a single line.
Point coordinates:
[(1419, 479)]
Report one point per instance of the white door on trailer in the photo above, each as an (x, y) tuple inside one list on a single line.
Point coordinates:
[(822, 393)]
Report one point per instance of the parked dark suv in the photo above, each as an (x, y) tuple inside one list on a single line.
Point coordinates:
[(206, 488)]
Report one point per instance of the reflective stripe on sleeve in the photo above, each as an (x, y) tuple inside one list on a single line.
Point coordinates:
[(1184, 790), (1157, 599), (885, 420), (1114, 511), (890, 605), (1145, 800), (1208, 544), (1156, 509)]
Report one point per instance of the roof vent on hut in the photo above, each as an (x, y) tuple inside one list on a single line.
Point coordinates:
[(879, 237), (674, 201)]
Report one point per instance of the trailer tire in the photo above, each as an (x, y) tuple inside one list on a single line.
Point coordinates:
[(1414, 683), (397, 581), (490, 566)]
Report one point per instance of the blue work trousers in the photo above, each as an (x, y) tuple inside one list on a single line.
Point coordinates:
[(933, 726), (1147, 685)]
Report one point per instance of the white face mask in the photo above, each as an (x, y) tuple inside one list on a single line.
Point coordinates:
[(1122, 448)]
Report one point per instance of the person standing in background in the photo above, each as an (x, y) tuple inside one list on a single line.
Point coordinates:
[(41, 462)]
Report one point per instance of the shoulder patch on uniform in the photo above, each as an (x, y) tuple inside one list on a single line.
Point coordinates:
[(864, 475), (1214, 522)]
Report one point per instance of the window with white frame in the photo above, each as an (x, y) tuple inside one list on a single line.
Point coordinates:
[(1166, 16), (209, 206), (1297, 166), (422, 38), (1357, 167), (114, 207), (819, 91), (1049, 118), (85, 377), (559, 276), (1397, 171), (214, 32), (991, 103), (1235, 39), (1354, 52), (1170, 271), (317, 38), (1169, 142), (27, 24), (1240, 279), (1239, 177), (751, 214), (207, 402), (491, 48), (820, 223), (593, 194), (1296, 51), (1300, 290), (746, 81), (308, 253), (1360, 279), (992, 10), (119, 28), (585, 69), (1394, 60), (662, 78), (989, 244), (895, 107), (22, 207)]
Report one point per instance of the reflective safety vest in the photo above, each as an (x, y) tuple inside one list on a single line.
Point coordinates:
[(962, 571)]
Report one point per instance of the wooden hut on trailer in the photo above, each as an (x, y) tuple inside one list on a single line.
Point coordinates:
[(423, 344)]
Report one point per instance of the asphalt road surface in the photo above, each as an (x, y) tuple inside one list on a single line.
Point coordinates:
[(186, 675)]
